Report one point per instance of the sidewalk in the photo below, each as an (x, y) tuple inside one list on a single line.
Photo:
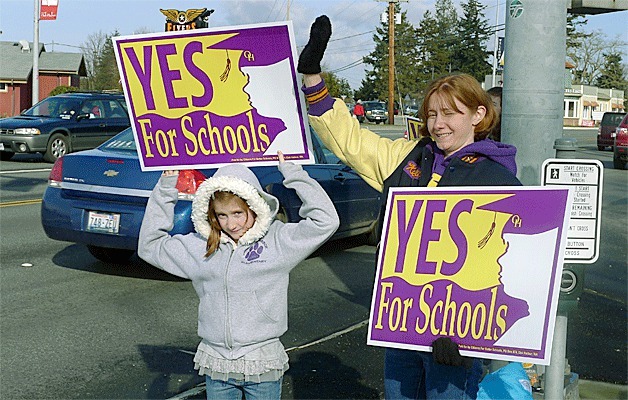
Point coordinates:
[(344, 367)]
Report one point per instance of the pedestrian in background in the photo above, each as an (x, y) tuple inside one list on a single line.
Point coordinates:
[(496, 97), (238, 260), (454, 151), (358, 111)]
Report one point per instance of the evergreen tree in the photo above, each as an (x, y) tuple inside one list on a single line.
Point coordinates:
[(612, 75), (366, 91), (470, 54), (375, 84), (575, 35), (407, 70), (437, 36), (575, 38), (447, 23), (429, 49), (337, 86)]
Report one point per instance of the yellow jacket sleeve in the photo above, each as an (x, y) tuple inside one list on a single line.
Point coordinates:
[(373, 157)]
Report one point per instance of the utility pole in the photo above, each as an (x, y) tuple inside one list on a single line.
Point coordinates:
[(391, 61), (391, 58), (35, 50)]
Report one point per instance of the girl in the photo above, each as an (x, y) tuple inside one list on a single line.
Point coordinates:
[(238, 261)]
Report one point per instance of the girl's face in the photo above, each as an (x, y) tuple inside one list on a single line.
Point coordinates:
[(450, 129), (234, 218)]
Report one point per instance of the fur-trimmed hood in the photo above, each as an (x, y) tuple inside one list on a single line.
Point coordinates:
[(241, 181)]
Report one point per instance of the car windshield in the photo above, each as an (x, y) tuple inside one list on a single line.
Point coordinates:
[(123, 141), (612, 119), (54, 107), (374, 106)]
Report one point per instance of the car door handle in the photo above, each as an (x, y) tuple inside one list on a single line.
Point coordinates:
[(340, 177), (102, 125)]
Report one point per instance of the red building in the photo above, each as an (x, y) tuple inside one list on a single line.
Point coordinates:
[(16, 74)]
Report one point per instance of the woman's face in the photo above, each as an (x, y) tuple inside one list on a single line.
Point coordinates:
[(450, 129), (234, 219)]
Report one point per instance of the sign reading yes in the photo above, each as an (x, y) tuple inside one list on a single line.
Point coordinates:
[(456, 262), (205, 98)]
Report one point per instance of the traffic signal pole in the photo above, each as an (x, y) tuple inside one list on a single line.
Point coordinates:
[(532, 114), (534, 81)]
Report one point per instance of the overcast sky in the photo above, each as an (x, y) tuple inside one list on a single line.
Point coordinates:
[(354, 22)]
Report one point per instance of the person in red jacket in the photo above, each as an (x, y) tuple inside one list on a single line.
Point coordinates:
[(358, 111)]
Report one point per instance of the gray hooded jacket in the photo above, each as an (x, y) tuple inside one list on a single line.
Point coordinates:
[(243, 288)]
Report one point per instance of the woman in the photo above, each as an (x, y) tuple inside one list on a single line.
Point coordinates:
[(454, 151)]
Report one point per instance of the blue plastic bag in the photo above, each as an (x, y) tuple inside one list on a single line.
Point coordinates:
[(509, 382)]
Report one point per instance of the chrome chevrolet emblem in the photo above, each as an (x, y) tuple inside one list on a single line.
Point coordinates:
[(110, 173)]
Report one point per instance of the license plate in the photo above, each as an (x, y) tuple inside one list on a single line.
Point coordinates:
[(103, 222)]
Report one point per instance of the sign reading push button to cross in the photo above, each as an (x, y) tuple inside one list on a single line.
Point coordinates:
[(585, 177)]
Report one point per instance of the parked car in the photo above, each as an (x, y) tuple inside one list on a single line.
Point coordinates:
[(375, 111), (620, 144), (64, 123), (605, 132), (97, 197), (411, 111)]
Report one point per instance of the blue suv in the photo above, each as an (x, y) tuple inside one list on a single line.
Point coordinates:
[(64, 123)]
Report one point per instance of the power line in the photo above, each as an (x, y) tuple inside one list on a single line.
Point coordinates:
[(348, 66), (343, 38)]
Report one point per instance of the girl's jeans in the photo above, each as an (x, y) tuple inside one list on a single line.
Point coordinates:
[(410, 374), (234, 389)]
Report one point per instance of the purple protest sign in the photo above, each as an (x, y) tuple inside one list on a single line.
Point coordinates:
[(209, 97), (479, 265)]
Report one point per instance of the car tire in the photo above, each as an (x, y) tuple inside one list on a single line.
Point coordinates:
[(58, 146), (618, 164), (112, 256), (601, 148), (6, 155)]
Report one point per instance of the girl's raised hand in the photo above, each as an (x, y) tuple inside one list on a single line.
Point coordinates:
[(280, 155)]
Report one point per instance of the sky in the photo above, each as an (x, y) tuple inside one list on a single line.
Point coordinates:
[(353, 22)]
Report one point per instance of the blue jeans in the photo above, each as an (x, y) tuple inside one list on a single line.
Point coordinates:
[(410, 374), (234, 389)]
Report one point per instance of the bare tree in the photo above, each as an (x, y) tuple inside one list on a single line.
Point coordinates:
[(589, 58), (92, 50)]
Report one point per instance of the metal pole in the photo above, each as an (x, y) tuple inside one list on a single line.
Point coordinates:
[(391, 62), (495, 61), (555, 372), (534, 76), (35, 50)]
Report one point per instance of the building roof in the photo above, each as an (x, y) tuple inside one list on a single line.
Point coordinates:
[(16, 61)]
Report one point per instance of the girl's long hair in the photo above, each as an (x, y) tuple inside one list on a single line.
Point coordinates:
[(213, 241)]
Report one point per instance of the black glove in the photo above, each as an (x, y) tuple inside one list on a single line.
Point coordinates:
[(312, 54), (445, 351)]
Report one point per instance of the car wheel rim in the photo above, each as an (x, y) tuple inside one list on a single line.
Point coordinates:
[(58, 148)]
